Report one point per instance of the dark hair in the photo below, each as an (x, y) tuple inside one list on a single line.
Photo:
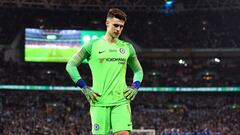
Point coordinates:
[(117, 13)]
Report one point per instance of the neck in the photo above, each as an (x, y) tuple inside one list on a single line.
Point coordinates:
[(109, 38)]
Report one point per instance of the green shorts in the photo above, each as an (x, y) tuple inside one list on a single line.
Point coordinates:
[(104, 118)]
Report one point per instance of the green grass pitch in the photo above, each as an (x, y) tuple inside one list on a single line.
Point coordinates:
[(49, 54)]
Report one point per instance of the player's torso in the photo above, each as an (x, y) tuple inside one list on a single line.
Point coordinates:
[(108, 64), (106, 54)]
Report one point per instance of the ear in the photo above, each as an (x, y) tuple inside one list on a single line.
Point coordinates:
[(107, 22)]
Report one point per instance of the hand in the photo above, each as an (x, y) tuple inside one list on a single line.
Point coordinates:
[(91, 95), (132, 91), (87, 91)]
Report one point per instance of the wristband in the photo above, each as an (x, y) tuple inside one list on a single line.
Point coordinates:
[(136, 84), (81, 83)]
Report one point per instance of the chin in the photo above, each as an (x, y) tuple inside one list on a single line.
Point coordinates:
[(116, 36)]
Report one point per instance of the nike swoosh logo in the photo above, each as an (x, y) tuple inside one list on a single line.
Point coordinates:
[(101, 52)]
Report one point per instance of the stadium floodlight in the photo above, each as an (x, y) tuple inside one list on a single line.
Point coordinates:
[(51, 37), (169, 3), (168, 6), (86, 38), (94, 37), (181, 62), (217, 60)]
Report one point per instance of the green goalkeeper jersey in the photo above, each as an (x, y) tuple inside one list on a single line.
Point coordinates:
[(108, 64)]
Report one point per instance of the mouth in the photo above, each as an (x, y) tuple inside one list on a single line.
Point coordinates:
[(116, 33)]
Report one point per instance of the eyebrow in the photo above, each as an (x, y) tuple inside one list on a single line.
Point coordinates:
[(116, 25)]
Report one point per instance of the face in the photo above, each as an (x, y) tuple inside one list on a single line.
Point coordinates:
[(114, 27)]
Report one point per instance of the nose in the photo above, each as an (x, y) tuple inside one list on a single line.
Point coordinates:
[(118, 28)]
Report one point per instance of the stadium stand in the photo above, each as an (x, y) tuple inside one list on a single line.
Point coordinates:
[(193, 29), (185, 113), (61, 113)]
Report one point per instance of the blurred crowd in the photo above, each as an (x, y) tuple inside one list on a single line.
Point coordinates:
[(67, 113), (201, 72), (193, 29), (39, 113)]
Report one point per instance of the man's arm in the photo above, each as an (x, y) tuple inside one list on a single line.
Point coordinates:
[(136, 68), (134, 64), (72, 70), (74, 62)]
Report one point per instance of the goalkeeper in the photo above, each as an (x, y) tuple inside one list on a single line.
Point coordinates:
[(109, 96)]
